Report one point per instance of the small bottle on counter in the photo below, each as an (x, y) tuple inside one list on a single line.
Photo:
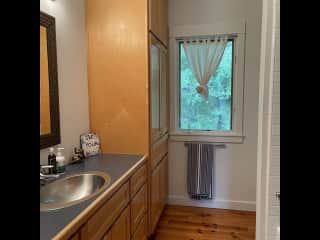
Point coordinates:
[(52, 161), (61, 161)]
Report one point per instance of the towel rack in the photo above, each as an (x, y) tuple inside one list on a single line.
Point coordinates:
[(220, 145)]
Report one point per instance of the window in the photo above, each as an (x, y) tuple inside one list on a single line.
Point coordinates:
[(215, 113), (219, 118)]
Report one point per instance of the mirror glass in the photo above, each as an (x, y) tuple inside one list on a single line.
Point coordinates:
[(45, 125)]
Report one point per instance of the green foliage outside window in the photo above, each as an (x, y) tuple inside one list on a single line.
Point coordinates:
[(215, 113)]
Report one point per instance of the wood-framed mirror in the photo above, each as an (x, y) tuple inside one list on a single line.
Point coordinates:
[(49, 96)]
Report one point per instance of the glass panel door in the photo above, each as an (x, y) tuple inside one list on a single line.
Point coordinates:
[(155, 89), (163, 92)]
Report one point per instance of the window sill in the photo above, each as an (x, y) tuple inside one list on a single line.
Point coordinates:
[(190, 137)]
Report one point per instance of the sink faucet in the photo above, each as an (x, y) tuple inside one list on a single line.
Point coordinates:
[(44, 173)]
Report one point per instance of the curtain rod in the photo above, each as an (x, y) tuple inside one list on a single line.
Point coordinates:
[(192, 38)]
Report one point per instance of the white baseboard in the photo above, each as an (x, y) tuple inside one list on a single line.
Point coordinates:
[(214, 203)]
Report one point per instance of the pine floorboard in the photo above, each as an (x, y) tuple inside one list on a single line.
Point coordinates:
[(194, 223)]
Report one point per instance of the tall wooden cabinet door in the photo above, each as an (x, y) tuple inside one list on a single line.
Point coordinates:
[(158, 17), (155, 196), (164, 101), (121, 228)]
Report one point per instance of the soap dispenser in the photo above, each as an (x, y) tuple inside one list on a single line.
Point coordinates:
[(61, 161), (52, 161)]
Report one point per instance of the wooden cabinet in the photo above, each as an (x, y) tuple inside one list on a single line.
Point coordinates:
[(159, 190), (75, 237), (158, 19), (138, 179), (164, 182), (138, 208), (155, 196), (141, 232), (121, 216), (99, 223), (121, 228), (159, 88), (159, 150), (128, 80), (107, 236)]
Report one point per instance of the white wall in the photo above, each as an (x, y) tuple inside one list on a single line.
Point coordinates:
[(72, 71), (235, 167)]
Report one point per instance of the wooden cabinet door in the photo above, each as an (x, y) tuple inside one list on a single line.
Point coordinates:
[(159, 89), (138, 208), (158, 13), (159, 190), (155, 196), (141, 232), (107, 236), (75, 237), (164, 181), (121, 228)]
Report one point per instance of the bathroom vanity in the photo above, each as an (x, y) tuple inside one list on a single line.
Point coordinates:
[(117, 213)]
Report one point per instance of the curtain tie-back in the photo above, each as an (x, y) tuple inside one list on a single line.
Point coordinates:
[(202, 89)]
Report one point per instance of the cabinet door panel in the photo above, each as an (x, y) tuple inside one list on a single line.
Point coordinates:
[(159, 19), (164, 181), (138, 179), (138, 208), (107, 236), (155, 196), (75, 237), (121, 228), (141, 232), (105, 216)]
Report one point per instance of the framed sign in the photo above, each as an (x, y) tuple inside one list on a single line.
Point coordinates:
[(90, 143)]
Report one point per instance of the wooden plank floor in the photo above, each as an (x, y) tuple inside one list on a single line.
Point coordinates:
[(193, 223)]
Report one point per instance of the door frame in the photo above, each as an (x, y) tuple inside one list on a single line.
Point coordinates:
[(264, 117)]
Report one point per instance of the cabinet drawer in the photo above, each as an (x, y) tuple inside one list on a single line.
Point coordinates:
[(141, 233), (99, 223), (138, 208), (159, 149), (138, 179)]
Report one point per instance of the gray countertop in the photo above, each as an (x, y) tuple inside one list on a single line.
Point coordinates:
[(116, 165)]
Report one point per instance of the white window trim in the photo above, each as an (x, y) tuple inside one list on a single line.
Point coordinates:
[(235, 29)]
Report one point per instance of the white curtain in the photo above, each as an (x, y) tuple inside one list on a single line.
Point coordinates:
[(204, 56)]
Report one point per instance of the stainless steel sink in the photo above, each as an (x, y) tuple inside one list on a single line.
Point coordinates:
[(72, 189)]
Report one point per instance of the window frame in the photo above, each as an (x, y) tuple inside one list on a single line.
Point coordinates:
[(235, 135)]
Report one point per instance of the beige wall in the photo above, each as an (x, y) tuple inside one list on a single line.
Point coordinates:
[(72, 71), (235, 167)]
